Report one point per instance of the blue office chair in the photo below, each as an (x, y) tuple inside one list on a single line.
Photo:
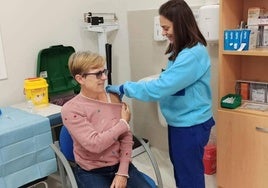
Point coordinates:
[(64, 151)]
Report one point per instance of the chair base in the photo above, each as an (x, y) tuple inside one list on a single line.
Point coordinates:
[(35, 183)]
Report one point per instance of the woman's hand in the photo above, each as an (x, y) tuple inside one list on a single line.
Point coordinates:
[(125, 112), (119, 182)]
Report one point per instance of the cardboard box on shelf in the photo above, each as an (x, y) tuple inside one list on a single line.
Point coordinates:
[(263, 20), (244, 90), (253, 15), (253, 37), (258, 92)]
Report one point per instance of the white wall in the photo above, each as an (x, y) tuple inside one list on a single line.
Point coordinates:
[(29, 26), (32, 25), (154, 4)]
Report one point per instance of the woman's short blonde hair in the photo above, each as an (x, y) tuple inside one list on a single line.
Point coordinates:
[(82, 62)]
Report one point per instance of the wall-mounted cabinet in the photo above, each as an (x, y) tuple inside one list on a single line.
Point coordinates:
[(242, 134)]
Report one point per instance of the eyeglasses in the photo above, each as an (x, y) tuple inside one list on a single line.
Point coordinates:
[(97, 74)]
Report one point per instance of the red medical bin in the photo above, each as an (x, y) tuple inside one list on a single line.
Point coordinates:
[(209, 159)]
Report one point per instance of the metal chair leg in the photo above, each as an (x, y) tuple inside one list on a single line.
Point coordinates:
[(154, 162)]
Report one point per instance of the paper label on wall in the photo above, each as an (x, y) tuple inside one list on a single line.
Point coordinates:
[(3, 72)]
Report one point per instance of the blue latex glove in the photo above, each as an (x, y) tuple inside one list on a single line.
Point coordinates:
[(117, 89)]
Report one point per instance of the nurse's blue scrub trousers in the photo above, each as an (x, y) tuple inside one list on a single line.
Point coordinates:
[(186, 150)]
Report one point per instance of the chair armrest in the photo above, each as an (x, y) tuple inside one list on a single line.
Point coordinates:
[(63, 163), (153, 161)]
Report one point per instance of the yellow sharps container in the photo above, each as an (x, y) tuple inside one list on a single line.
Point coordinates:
[(36, 90)]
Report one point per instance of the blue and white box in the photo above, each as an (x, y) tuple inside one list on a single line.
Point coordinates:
[(245, 38), (236, 39), (228, 40)]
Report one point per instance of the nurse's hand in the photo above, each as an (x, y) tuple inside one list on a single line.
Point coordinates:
[(114, 89)]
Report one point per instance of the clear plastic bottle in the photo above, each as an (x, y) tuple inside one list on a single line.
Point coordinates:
[(30, 106)]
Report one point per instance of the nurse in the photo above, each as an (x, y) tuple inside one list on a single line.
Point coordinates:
[(183, 91)]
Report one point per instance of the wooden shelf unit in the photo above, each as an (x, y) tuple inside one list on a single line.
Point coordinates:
[(242, 134)]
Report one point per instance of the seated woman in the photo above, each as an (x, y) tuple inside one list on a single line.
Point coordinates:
[(98, 124)]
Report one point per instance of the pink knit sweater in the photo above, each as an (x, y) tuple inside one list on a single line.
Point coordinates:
[(100, 138)]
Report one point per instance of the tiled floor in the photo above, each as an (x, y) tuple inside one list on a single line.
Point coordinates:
[(142, 162)]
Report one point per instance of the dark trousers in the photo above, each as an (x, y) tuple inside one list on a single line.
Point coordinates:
[(103, 177), (186, 150)]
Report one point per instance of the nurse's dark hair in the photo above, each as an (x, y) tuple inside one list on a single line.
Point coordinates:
[(186, 33)]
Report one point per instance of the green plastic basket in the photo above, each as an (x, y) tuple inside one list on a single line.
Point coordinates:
[(231, 101)]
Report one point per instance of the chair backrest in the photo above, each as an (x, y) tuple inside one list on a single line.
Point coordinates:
[(66, 144)]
